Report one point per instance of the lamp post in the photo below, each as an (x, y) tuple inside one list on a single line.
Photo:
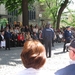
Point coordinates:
[(40, 16), (42, 21)]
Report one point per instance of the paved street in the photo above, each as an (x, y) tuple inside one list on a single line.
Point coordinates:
[(10, 62)]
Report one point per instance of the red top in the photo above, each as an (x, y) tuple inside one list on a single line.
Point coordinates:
[(20, 37)]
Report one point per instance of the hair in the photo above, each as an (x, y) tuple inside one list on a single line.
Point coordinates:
[(33, 54), (68, 27)]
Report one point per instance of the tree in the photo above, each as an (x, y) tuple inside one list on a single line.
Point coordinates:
[(20, 5), (62, 7), (3, 22), (55, 9), (70, 19), (25, 12), (51, 10)]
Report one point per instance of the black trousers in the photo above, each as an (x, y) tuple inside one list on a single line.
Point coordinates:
[(21, 43), (48, 47), (13, 43), (53, 42), (7, 43)]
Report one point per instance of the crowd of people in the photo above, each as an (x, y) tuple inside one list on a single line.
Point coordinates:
[(16, 36), (37, 43)]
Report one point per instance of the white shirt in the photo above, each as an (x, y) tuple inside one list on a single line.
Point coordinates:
[(31, 71), (60, 35), (2, 37), (72, 62), (35, 30)]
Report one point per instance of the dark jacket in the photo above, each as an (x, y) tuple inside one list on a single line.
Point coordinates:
[(1, 38), (7, 35), (47, 34), (69, 70), (67, 35)]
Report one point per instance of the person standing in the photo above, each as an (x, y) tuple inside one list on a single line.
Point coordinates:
[(2, 40), (48, 35), (67, 36), (7, 37), (53, 35), (70, 69)]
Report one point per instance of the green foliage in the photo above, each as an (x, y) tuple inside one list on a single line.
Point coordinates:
[(51, 9), (3, 21), (70, 15), (67, 23), (11, 5)]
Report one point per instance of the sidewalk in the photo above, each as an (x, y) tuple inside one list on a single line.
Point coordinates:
[(10, 62)]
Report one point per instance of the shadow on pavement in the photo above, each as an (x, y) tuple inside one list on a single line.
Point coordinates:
[(59, 53), (10, 57), (58, 48)]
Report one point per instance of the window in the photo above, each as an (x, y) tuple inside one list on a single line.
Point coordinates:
[(12, 16), (31, 14)]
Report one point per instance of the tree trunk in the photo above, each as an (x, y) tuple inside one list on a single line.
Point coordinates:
[(25, 20), (63, 6), (54, 23)]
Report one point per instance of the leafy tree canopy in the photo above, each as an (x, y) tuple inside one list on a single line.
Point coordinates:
[(15, 4), (54, 9)]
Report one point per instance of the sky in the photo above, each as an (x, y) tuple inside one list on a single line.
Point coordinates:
[(71, 6)]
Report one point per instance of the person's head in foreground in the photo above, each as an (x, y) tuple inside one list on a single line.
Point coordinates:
[(72, 50), (33, 54), (70, 69)]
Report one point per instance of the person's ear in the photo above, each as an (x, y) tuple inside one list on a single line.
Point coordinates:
[(73, 55)]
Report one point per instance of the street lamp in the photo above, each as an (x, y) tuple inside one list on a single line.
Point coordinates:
[(42, 21), (40, 16)]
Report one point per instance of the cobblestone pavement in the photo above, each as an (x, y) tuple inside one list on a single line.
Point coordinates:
[(10, 62)]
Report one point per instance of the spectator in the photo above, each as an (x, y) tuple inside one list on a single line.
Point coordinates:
[(14, 39), (16, 30), (11, 30), (20, 39), (28, 36), (35, 37), (7, 37), (23, 29), (60, 36), (33, 57), (70, 69), (31, 29), (35, 30), (40, 37), (2, 40), (24, 34), (27, 29)]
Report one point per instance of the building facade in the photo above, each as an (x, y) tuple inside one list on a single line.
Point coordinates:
[(33, 14)]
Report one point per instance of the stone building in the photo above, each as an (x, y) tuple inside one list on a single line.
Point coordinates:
[(35, 15), (3, 12)]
